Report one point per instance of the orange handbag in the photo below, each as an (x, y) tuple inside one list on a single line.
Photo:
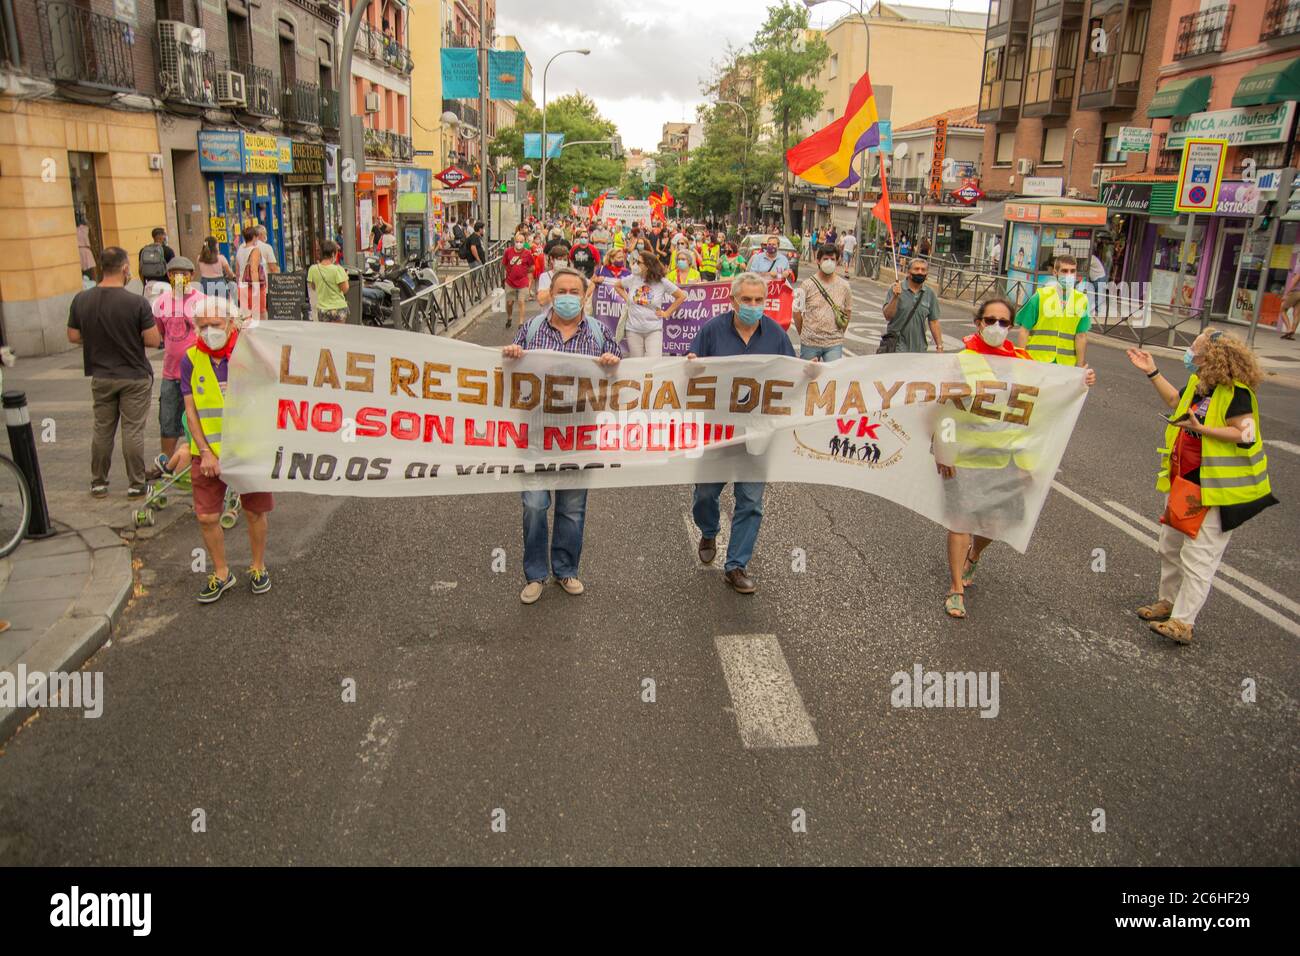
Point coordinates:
[(1184, 511)]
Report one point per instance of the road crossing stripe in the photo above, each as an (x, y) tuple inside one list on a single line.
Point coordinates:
[(1232, 591), (724, 535), (1283, 445), (1259, 587), (769, 710)]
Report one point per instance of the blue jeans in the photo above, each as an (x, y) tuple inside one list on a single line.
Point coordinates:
[(744, 523), (829, 353), (565, 545)]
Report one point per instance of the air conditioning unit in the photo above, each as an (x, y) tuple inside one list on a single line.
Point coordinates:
[(372, 102), (231, 90), (173, 31), (1024, 166), (1096, 178)]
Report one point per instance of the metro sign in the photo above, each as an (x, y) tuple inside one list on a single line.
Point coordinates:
[(452, 176), (968, 193)]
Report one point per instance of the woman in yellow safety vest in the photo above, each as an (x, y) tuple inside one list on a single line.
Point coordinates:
[(710, 252), (987, 462), (1214, 468), (682, 270)]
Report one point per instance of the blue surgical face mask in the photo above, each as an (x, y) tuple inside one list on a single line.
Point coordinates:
[(567, 306), (750, 314), (1067, 282), (1189, 361)]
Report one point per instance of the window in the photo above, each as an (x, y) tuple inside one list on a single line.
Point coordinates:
[(288, 56), (1067, 58), (179, 10), (1110, 144), (991, 86), (1006, 148), (834, 66), (1134, 42), (239, 40), (1038, 81), (85, 209), (1054, 145)]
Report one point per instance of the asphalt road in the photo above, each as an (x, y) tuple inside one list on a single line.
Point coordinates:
[(766, 710)]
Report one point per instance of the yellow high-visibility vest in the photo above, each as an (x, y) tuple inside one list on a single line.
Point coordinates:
[(1052, 337), (709, 257), (982, 440), (209, 400), (676, 279), (1229, 475)]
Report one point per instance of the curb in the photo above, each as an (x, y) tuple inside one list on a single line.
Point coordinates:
[(89, 622)]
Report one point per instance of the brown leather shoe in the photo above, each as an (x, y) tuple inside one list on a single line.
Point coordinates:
[(742, 582), (708, 549)]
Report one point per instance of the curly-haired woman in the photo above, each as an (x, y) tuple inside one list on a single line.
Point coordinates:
[(1214, 467)]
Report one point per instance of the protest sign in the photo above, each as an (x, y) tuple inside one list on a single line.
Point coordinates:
[(704, 301), (342, 410)]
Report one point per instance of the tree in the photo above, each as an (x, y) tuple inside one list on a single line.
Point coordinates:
[(788, 58), (590, 168)]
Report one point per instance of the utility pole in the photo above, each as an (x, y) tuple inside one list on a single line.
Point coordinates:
[(484, 102), (348, 148)]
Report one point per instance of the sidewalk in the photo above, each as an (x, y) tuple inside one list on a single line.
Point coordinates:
[(1279, 359)]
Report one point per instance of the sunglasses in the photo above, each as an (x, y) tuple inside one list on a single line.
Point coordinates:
[(1005, 323)]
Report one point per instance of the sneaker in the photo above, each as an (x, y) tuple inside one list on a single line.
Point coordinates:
[(99, 489), (161, 463), (137, 491), (572, 586), (531, 592), (260, 580), (216, 587)]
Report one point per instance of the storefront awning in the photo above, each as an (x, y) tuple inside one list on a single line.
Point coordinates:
[(1274, 82), (990, 219), (1181, 98)]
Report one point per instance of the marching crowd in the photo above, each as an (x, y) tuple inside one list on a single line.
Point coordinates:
[(1213, 466)]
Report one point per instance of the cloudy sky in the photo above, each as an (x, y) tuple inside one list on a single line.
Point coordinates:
[(647, 60)]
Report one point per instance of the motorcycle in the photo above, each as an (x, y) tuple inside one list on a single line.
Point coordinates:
[(379, 294), (416, 276)]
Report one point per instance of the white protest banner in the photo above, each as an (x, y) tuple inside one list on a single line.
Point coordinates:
[(632, 211), (346, 410)]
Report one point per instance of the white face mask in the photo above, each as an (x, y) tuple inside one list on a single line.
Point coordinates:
[(994, 335), (214, 337), (827, 266)]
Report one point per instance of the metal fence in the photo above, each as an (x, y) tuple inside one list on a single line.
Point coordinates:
[(444, 303)]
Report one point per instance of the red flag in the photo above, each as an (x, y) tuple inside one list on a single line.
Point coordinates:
[(667, 198), (881, 209)]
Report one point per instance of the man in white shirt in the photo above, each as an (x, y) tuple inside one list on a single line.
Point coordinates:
[(850, 243)]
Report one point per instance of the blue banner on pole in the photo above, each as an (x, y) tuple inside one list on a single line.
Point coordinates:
[(886, 146), (459, 73), (506, 74), (533, 145)]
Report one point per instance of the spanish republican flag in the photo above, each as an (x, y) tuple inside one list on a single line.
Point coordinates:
[(826, 157)]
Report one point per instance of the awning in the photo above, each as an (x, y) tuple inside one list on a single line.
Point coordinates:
[(1181, 97), (1274, 82), (990, 218)]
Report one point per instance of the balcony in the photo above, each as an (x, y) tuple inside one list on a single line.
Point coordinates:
[(467, 114), (86, 48), (1281, 19), (383, 145), (1203, 32), (186, 76), (384, 49), (262, 88), (329, 109), (300, 103)]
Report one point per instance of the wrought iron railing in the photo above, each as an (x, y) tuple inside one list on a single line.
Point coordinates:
[(85, 47), (186, 75), (1203, 32), (300, 102), (384, 144), (444, 303), (383, 49), (262, 88), (329, 109), (1281, 19)]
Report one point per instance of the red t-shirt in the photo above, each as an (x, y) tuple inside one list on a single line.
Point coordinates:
[(519, 267)]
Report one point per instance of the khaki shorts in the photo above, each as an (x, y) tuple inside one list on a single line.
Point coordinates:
[(520, 295)]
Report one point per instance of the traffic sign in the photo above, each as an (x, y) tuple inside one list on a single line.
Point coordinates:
[(452, 176), (969, 193), (1200, 175)]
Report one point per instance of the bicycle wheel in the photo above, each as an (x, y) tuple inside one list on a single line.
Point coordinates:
[(15, 506)]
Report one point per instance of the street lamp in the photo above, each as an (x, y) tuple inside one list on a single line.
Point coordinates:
[(744, 156), (862, 163), (542, 190)]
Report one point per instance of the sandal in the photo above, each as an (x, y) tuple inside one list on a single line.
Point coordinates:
[(1159, 611), (968, 573), (1177, 631), (955, 605)]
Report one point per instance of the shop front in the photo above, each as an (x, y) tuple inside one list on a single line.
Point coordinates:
[(307, 218), (242, 172), (1040, 230), (376, 200)]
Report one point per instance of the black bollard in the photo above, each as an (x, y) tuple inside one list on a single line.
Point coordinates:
[(22, 445)]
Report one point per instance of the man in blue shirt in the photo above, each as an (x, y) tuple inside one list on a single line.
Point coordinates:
[(745, 330), (770, 260)]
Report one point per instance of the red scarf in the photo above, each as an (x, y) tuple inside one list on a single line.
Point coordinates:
[(224, 352), (975, 343)]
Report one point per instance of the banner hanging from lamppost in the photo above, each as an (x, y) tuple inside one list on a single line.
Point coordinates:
[(460, 73)]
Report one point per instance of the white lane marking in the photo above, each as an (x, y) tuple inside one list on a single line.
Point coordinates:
[(1259, 587), (1283, 445), (1231, 590), (724, 535), (854, 336), (769, 709)]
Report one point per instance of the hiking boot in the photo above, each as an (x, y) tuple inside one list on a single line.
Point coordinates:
[(216, 587), (572, 586), (740, 581), (260, 581), (531, 592), (708, 549)]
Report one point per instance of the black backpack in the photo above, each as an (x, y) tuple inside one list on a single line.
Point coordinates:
[(464, 247), (153, 262)]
